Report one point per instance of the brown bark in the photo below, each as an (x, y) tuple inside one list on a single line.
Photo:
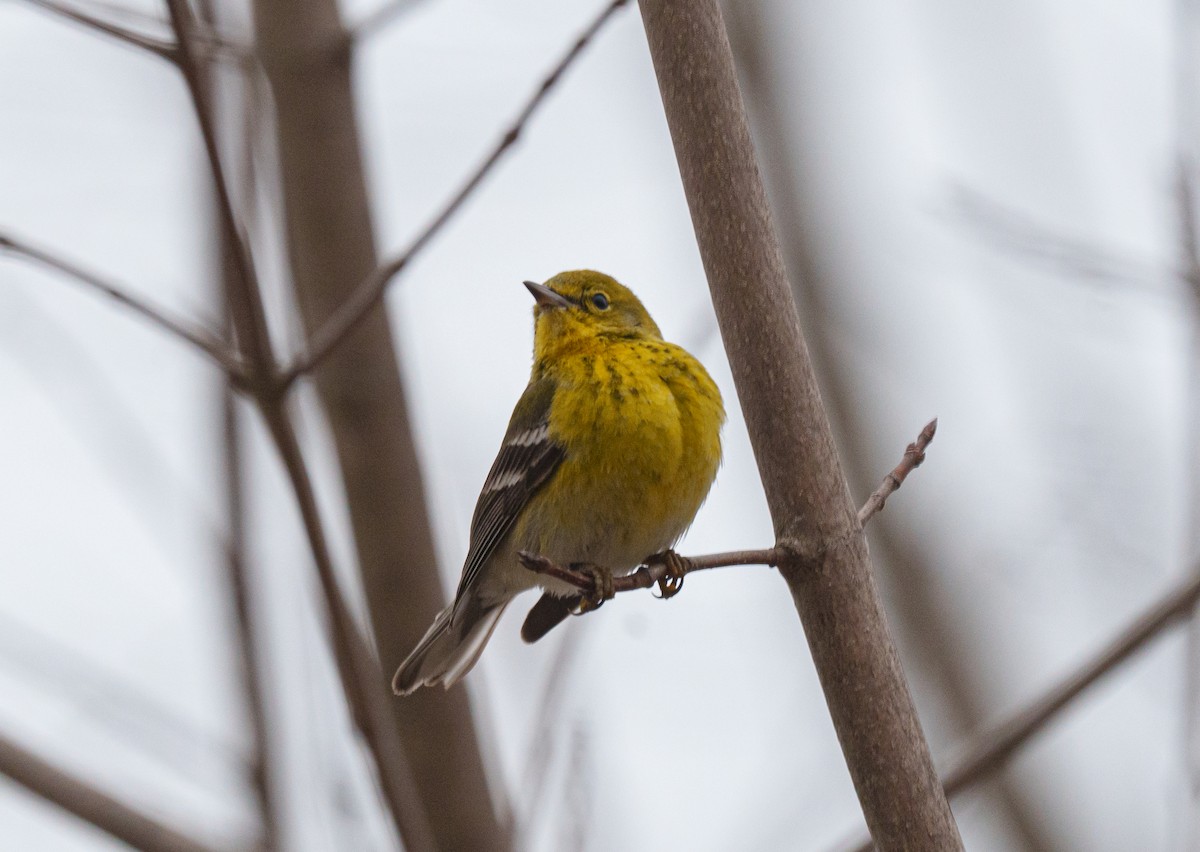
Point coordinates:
[(824, 558), (331, 248), (359, 673), (902, 562)]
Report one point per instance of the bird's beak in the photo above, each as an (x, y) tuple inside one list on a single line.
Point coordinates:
[(547, 298)]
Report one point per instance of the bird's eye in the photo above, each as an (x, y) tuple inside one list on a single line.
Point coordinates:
[(600, 301)]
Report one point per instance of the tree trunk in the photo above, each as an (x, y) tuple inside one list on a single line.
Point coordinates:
[(331, 248), (826, 564)]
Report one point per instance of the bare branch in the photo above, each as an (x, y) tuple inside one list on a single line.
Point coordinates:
[(361, 676), (362, 679), (245, 298), (90, 803), (656, 569), (201, 340), (1065, 254), (113, 702), (209, 40), (914, 454), (247, 626), (247, 623), (330, 247), (372, 288), (992, 749), (159, 47), (646, 575)]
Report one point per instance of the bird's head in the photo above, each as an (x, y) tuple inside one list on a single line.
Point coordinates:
[(582, 305)]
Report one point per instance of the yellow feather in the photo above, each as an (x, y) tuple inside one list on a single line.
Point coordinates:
[(640, 419)]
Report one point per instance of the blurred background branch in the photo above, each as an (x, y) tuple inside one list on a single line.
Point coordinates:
[(159, 47), (357, 303), (90, 803), (358, 671), (988, 751), (202, 340), (330, 245)]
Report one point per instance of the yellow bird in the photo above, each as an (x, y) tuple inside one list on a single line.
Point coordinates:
[(608, 456)]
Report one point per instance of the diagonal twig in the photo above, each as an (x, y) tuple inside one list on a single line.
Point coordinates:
[(656, 569), (159, 47), (914, 454), (90, 803), (115, 703), (371, 289), (993, 748), (201, 340), (1062, 253)]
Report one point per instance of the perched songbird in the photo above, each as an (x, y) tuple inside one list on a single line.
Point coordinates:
[(608, 455)]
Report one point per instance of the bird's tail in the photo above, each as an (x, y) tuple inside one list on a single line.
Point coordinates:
[(547, 613), (448, 650)]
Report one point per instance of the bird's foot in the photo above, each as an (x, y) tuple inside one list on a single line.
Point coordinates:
[(602, 587), (677, 568)]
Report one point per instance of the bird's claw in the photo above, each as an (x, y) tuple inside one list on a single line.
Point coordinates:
[(677, 568), (602, 587)]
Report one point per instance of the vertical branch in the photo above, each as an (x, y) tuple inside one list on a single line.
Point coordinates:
[(361, 678), (245, 298), (330, 246), (252, 663), (823, 553), (906, 561), (253, 666)]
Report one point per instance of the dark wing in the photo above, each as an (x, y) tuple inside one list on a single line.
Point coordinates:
[(527, 459)]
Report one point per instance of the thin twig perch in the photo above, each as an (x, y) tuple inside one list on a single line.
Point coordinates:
[(654, 571), (646, 575)]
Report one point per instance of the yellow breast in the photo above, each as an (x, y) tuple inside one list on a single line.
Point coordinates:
[(640, 420)]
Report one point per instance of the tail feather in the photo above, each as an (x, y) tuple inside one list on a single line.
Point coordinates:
[(546, 614), (448, 650)]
